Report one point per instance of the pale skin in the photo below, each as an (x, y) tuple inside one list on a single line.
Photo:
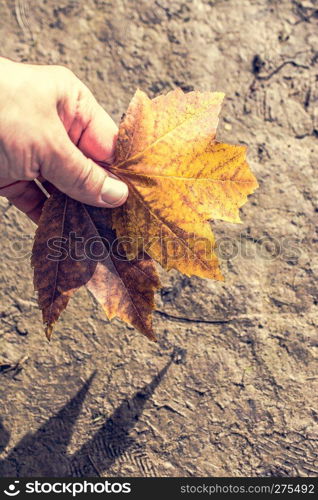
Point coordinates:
[(53, 129)]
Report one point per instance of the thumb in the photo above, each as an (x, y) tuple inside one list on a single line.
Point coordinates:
[(82, 179)]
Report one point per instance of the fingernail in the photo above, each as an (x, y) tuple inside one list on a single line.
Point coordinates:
[(114, 191)]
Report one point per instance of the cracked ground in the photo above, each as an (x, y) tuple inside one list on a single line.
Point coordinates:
[(230, 389)]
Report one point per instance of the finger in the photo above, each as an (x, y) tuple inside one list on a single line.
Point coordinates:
[(93, 130), (82, 179), (26, 196)]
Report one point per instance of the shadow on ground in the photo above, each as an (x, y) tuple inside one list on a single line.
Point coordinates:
[(44, 453)]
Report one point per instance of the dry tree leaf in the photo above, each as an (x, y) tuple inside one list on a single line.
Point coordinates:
[(75, 246), (124, 288), (179, 179), (56, 273)]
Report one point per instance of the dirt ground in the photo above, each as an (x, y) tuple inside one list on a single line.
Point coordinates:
[(231, 387)]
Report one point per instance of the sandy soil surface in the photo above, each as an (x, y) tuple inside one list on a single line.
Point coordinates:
[(231, 387)]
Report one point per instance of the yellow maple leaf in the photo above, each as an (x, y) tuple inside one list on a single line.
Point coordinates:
[(179, 179)]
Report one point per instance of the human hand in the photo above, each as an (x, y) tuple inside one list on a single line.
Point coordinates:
[(53, 129)]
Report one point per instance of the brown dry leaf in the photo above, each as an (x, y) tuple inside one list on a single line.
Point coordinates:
[(179, 178), (124, 288), (75, 246)]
